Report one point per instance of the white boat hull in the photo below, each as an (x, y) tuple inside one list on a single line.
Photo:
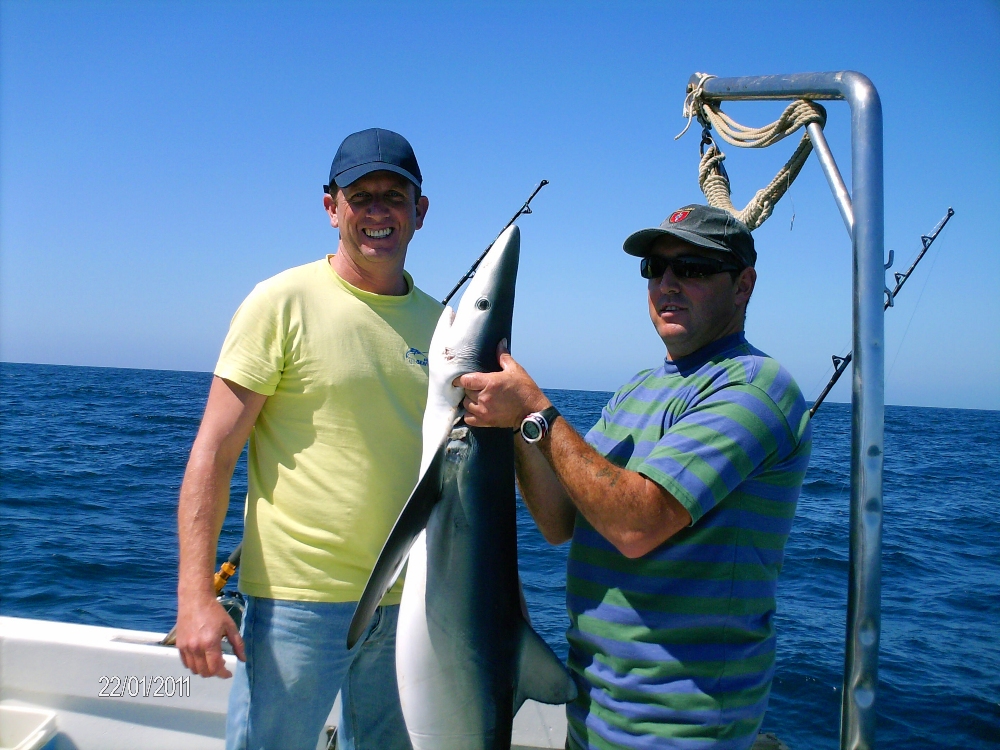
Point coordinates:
[(71, 669)]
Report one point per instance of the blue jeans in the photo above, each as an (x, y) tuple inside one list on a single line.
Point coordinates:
[(297, 660)]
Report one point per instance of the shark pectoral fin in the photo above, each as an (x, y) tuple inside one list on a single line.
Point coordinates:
[(541, 676), (412, 520)]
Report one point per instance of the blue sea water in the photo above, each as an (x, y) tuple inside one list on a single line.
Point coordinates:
[(91, 460)]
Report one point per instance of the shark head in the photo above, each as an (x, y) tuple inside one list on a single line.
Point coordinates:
[(466, 339), (486, 311)]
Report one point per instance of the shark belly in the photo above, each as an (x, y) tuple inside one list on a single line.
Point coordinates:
[(460, 617)]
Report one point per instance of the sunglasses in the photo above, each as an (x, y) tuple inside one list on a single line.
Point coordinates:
[(684, 267)]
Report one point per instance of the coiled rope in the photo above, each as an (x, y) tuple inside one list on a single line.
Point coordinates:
[(712, 177)]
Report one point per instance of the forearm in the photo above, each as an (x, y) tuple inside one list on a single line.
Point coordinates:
[(632, 512), (201, 620), (204, 501), (543, 494), (204, 498)]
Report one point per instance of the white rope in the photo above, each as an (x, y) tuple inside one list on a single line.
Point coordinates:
[(798, 114), (690, 101), (712, 177)]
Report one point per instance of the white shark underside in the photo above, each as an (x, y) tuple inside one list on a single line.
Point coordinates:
[(466, 657)]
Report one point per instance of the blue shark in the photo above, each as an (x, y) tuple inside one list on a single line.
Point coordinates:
[(466, 655)]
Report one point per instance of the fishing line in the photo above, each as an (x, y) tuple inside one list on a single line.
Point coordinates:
[(525, 209), (912, 314), (845, 349), (840, 364), (788, 191)]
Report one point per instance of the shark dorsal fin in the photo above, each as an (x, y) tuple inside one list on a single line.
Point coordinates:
[(412, 520), (540, 674)]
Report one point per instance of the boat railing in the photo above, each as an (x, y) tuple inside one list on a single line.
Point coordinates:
[(862, 212)]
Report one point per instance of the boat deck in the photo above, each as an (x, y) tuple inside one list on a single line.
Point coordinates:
[(115, 689), (112, 688)]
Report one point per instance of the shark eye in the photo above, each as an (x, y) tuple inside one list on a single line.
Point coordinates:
[(482, 304)]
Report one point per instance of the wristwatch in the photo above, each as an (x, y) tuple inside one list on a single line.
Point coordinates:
[(535, 426)]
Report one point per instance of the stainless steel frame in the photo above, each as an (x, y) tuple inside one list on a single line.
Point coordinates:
[(863, 215), (840, 193)]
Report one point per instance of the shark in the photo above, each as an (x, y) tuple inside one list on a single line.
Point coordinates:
[(466, 654)]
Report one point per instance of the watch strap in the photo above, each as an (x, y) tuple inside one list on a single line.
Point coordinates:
[(549, 415)]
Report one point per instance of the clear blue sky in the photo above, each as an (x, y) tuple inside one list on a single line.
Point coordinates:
[(157, 159)]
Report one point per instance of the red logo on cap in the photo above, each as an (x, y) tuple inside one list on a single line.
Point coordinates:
[(679, 216)]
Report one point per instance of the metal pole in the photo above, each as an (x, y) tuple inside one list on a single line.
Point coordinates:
[(864, 611), (837, 186), (857, 731)]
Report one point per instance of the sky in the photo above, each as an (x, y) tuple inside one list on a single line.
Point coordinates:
[(158, 159)]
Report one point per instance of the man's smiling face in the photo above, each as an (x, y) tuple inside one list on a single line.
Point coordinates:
[(690, 313), (376, 216)]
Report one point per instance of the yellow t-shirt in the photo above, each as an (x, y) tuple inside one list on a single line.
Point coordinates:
[(335, 451)]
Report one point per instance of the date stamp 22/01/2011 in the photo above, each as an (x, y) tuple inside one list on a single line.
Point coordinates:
[(144, 686)]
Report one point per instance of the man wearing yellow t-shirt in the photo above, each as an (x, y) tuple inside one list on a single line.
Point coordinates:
[(324, 370)]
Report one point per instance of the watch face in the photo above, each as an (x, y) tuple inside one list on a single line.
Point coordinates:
[(531, 430)]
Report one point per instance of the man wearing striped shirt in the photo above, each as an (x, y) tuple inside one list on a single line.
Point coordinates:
[(678, 503)]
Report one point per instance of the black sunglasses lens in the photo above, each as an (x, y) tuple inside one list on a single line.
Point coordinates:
[(695, 268), (653, 266)]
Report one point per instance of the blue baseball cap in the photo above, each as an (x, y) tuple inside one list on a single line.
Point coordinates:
[(370, 151)]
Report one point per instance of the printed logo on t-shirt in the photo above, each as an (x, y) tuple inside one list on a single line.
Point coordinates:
[(416, 357)]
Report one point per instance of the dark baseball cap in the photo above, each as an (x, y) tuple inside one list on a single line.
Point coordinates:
[(704, 226), (373, 150)]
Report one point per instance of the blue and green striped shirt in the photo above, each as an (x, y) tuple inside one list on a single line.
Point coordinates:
[(676, 649)]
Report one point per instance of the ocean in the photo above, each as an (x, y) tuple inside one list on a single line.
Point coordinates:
[(91, 460)]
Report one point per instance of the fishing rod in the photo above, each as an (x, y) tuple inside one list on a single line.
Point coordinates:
[(525, 209), (840, 363), (222, 577)]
